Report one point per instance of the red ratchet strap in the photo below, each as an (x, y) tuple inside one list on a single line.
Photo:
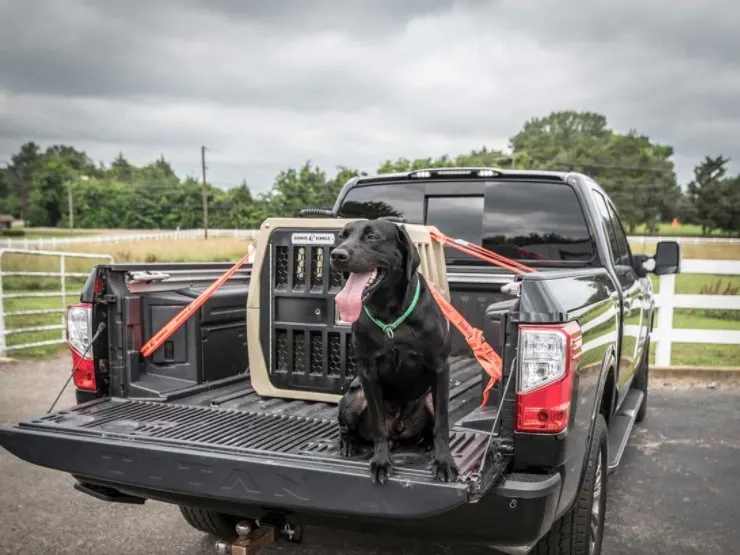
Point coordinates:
[(483, 352), (173, 325)]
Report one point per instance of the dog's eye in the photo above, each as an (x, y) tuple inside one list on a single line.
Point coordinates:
[(372, 237)]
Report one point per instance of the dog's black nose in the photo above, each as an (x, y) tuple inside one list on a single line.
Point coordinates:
[(339, 255)]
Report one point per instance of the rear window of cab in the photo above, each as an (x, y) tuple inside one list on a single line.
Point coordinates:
[(531, 221)]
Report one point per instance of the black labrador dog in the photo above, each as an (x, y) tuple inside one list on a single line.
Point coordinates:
[(401, 342)]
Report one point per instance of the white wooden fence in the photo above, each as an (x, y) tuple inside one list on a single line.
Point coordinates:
[(664, 334), (60, 293), (686, 240), (52, 243)]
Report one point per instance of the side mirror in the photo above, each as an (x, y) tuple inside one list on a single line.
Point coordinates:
[(667, 259)]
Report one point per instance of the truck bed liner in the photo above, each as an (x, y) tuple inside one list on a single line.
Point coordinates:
[(465, 379)]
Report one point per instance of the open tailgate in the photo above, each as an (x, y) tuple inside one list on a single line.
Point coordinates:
[(275, 460)]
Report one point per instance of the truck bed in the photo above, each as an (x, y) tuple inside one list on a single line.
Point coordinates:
[(230, 434)]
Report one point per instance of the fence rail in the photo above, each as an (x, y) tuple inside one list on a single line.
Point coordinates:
[(53, 243), (665, 335), (685, 240), (62, 274)]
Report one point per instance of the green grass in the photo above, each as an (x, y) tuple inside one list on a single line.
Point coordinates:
[(701, 355), (709, 251), (684, 230), (691, 284), (700, 319), (28, 321)]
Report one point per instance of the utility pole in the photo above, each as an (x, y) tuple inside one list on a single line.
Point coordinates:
[(203, 190), (71, 205)]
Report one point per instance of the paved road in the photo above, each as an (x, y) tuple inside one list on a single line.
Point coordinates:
[(676, 493)]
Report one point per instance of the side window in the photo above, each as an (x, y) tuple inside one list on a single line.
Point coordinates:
[(608, 227), (460, 217), (625, 254)]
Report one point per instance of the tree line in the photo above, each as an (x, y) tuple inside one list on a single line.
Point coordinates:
[(637, 173)]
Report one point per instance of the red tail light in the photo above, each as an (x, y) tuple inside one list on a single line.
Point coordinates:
[(548, 356), (79, 335)]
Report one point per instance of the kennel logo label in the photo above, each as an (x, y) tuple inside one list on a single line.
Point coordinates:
[(312, 239)]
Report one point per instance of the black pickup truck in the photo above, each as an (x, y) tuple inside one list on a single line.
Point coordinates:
[(234, 417)]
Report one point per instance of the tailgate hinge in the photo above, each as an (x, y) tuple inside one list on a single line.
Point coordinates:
[(497, 458)]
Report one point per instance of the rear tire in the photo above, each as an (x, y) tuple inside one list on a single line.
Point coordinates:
[(640, 383), (580, 531), (216, 524)]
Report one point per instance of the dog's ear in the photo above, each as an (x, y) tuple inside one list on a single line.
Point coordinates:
[(413, 260)]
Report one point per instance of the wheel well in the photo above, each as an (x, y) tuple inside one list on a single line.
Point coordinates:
[(607, 397)]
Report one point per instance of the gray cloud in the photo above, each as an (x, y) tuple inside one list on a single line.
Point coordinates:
[(271, 84)]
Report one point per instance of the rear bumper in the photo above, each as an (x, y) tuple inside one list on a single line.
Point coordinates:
[(515, 513)]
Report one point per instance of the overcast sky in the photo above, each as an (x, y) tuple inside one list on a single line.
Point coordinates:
[(269, 84)]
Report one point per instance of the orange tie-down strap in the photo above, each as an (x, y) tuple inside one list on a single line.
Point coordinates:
[(483, 352), (173, 325)]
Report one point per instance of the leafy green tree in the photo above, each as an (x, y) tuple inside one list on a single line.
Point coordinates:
[(728, 214), (561, 138), (638, 174), (121, 170), (295, 189), (21, 171), (706, 191)]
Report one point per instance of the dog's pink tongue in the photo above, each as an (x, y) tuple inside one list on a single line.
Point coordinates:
[(349, 299)]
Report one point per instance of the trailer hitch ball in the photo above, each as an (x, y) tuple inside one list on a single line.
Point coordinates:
[(243, 528), (252, 539)]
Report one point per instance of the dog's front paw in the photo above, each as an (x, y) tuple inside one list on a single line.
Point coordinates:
[(347, 445), (444, 468), (380, 468)]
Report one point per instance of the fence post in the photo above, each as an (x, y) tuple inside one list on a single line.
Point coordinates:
[(2, 311), (63, 273), (665, 319)]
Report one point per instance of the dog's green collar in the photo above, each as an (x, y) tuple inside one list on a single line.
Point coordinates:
[(389, 328)]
